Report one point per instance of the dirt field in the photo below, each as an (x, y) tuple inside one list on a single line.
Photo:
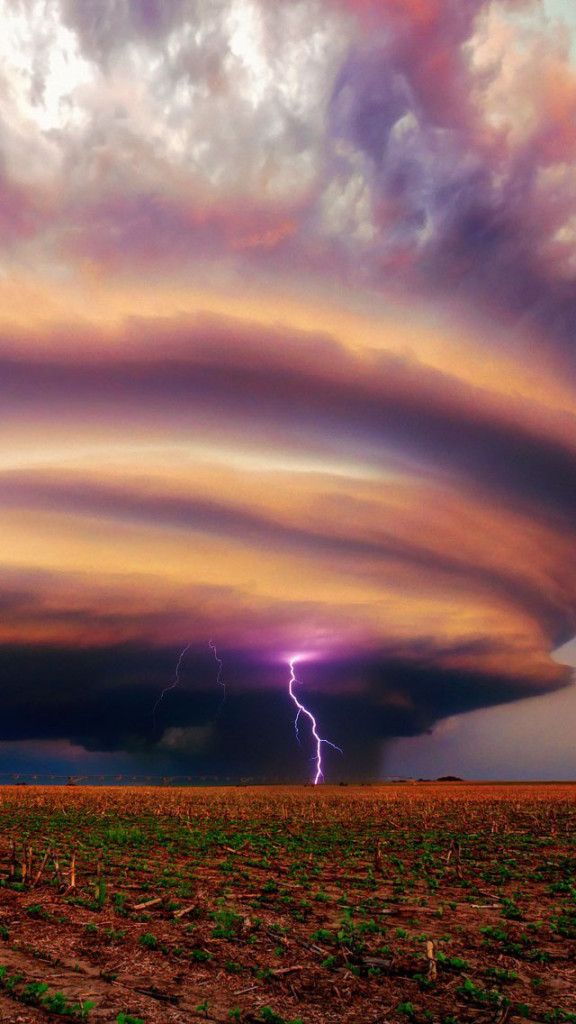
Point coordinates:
[(448, 903)]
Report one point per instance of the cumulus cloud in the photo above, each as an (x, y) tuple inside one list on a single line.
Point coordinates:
[(455, 128), (228, 97), (398, 144)]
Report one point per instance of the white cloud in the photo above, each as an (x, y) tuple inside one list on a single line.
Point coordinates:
[(562, 14), (346, 205), (42, 76), (233, 98), (513, 54)]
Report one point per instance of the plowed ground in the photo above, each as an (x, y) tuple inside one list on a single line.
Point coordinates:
[(446, 903)]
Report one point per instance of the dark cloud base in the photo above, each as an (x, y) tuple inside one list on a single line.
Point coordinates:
[(103, 701)]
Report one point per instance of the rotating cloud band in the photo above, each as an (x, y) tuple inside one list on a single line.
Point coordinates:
[(302, 710)]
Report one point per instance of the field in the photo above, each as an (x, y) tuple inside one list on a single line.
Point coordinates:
[(449, 903)]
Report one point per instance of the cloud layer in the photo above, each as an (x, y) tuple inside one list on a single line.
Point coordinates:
[(286, 360)]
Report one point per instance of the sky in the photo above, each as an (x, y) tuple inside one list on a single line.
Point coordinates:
[(287, 371)]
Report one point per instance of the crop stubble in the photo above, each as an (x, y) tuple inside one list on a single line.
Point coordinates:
[(450, 903)]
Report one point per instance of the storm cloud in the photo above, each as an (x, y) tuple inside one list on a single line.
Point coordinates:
[(287, 363)]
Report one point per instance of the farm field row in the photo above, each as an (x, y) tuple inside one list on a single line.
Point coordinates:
[(449, 903)]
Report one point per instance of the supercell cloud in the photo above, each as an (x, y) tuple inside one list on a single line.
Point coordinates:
[(287, 363)]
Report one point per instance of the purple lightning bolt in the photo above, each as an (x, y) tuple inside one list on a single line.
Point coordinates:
[(172, 685), (219, 679), (304, 711)]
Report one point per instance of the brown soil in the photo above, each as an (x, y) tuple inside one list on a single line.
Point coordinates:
[(449, 903)]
